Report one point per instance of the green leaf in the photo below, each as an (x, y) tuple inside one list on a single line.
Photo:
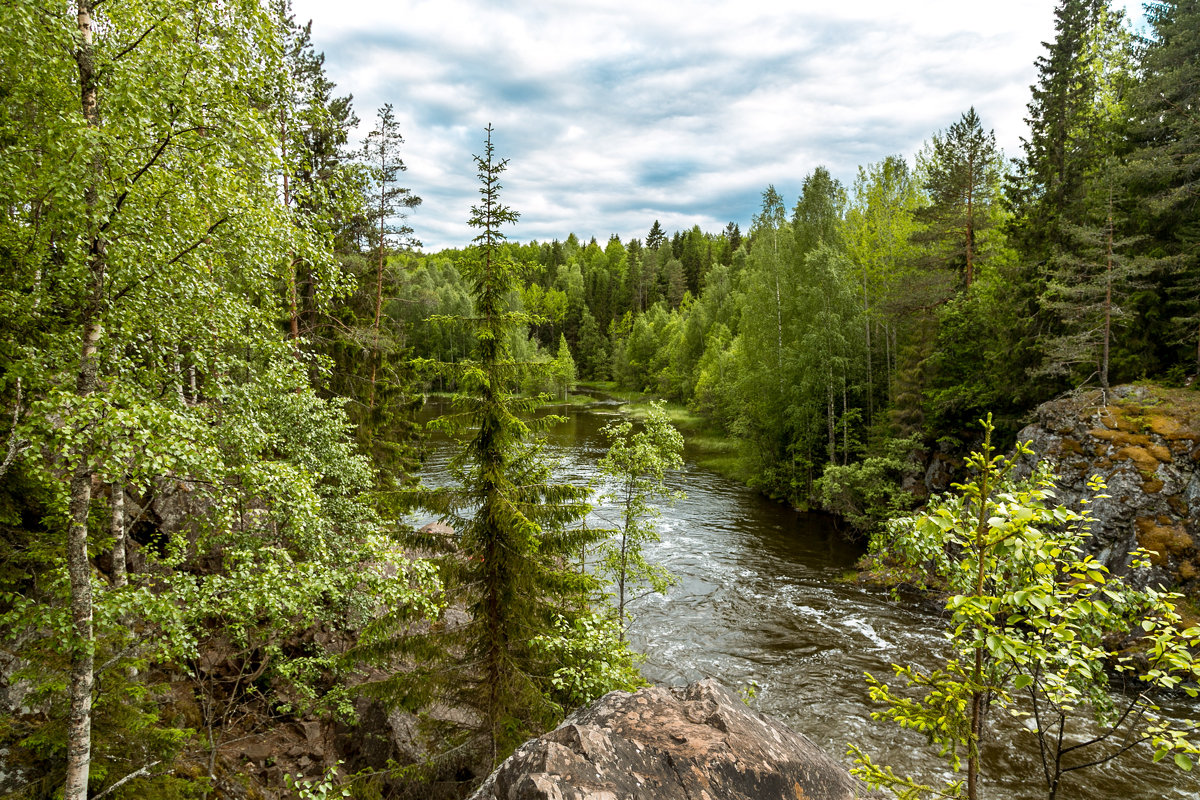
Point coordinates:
[(1021, 681), (1183, 762)]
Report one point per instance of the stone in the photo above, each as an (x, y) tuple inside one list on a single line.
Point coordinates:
[(695, 743), (1136, 444)]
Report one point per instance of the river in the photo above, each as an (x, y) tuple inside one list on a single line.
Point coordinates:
[(762, 600)]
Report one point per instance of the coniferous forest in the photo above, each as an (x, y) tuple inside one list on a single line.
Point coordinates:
[(220, 326)]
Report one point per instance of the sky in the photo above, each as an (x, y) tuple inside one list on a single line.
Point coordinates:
[(617, 113)]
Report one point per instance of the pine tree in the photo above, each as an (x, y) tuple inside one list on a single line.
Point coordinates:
[(962, 175), (381, 153)]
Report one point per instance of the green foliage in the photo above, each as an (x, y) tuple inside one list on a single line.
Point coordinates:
[(147, 232), (638, 463), (562, 370), (868, 492), (1030, 620), (589, 658), (317, 789), (1162, 178)]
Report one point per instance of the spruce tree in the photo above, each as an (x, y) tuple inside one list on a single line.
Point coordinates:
[(516, 531), (656, 237), (1072, 112), (1065, 192), (1164, 179)]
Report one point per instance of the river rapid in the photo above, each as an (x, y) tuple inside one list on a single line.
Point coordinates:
[(763, 601)]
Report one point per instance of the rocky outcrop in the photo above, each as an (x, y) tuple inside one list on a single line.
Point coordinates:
[(693, 743), (1145, 443)]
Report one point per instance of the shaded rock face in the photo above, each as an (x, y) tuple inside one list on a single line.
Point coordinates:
[(1145, 444), (694, 743)]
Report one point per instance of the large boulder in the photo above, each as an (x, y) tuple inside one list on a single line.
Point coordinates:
[(1144, 442), (695, 743)]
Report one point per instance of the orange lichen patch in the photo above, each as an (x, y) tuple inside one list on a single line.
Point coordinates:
[(1163, 519), (1163, 425), (1187, 570), (1161, 453), (1121, 437), (1143, 458), (1177, 505), (1152, 486), (1070, 446), (1112, 418), (1170, 428), (1162, 540)]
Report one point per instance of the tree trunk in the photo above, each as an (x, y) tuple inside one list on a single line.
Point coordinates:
[(79, 715), (830, 420), (1107, 302), (970, 272), (845, 425), (379, 278), (119, 573), (79, 718), (870, 375)]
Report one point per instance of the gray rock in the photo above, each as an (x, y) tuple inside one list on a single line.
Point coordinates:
[(1143, 444), (695, 743)]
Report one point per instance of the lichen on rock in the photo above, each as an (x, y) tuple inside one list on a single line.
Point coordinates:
[(1144, 442)]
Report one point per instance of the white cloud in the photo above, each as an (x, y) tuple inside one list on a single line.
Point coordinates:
[(617, 113)]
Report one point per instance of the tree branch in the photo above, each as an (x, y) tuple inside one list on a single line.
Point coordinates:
[(138, 40), (16, 446), (141, 773), (178, 256)]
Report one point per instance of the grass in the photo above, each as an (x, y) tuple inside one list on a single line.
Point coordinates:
[(712, 448)]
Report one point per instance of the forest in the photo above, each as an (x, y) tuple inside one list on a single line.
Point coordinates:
[(220, 325)]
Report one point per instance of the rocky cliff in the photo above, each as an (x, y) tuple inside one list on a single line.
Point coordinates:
[(1144, 441), (670, 744)]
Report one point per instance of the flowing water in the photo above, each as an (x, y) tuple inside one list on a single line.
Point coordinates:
[(762, 602)]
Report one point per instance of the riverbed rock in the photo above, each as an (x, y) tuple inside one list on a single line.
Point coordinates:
[(695, 743), (1144, 442)]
